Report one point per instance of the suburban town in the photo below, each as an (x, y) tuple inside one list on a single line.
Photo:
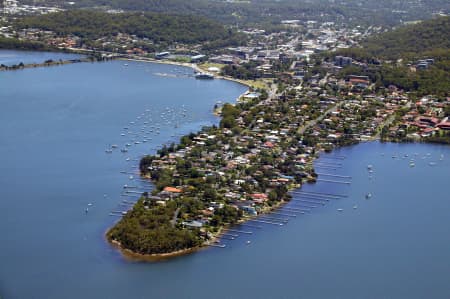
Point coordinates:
[(224, 149), (300, 102)]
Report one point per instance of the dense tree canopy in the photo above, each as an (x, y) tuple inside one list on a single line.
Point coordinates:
[(156, 27), (411, 41), (12, 43), (403, 47), (149, 231), (267, 12)]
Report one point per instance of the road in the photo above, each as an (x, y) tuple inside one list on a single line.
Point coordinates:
[(313, 122)]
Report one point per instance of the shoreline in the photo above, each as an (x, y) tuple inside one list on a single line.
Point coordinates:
[(155, 257), (136, 256), (158, 257), (193, 66)]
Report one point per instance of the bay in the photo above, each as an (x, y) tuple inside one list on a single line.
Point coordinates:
[(55, 124)]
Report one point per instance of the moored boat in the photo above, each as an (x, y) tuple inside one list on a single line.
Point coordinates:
[(203, 76)]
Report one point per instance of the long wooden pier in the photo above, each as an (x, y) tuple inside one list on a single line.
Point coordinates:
[(240, 231), (296, 209), (282, 214), (217, 245), (273, 219), (335, 175), (332, 181), (309, 201), (267, 222), (230, 235), (312, 197), (250, 225), (321, 193)]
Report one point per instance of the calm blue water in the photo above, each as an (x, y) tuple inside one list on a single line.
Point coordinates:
[(54, 131), (12, 57)]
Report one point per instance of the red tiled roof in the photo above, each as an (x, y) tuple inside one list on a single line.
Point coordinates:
[(172, 190)]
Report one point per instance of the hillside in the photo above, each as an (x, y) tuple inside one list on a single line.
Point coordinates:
[(411, 41), (156, 27), (264, 12), (399, 52)]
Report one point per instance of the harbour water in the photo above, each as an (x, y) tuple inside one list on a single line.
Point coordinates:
[(12, 57), (55, 124)]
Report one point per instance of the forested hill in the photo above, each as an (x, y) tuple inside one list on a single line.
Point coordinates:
[(244, 12), (156, 27), (399, 51), (411, 41)]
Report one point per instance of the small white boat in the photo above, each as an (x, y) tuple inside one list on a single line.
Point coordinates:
[(131, 177), (412, 164), (248, 242), (369, 167), (108, 151), (89, 204), (340, 210), (368, 195), (355, 207), (114, 146)]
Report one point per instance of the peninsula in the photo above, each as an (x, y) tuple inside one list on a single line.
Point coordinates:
[(315, 86), (264, 147)]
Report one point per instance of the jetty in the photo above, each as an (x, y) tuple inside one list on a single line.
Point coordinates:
[(230, 235), (309, 201), (240, 231), (321, 193), (267, 222), (251, 225), (335, 175), (312, 197), (333, 181), (217, 245)]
